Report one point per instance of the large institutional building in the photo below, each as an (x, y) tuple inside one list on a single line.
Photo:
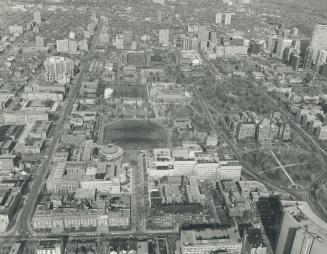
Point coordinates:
[(164, 162), (301, 230)]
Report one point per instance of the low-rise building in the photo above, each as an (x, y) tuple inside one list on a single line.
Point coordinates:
[(189, 162), (209, 240), (11, 192), (50, 246), (57, 220), (169, 93), (321, 133)]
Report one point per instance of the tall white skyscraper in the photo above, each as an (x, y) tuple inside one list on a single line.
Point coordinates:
[(228, 18), (119, 41), (164, 36), (16, 29), (37, 17), (203, 34), (219, 17), (318, 41), (63, 46), (57, 68), (322, 57), (282, 45), (159, 15), (301, 230), (39, 41)]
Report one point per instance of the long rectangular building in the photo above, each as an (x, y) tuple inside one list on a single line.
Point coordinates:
[(164, 162)]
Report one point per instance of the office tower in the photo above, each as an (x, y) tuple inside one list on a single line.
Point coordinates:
[(318, 41), (119, 41), (186, 43), (304, 44), (322, 56), (194, 29), (37, 17), (39, 41), (297, 45), (63, 46), (272, 44), (204, 44), (323, 70), (72, 35), (159, 15), (294, 61), (94, 18), (128, 36), (308, 59), (57, 68), (228, 18), (72, 46), (82, 45), (164, 36), (219, 17), (287, 53), (294, 31), (212, 40), (104, 19), (282, 44), (16, 30), (195, 43), (301, 230), (286, 33), (203, 34), (189, 43), (213, 37)]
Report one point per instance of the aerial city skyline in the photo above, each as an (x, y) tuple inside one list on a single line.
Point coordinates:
[(163, 127)]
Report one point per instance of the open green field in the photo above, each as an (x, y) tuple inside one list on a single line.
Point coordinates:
[(129, 91), (304, 167), (135, 134)]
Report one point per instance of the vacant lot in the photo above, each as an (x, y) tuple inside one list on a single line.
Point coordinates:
[(136, 134)]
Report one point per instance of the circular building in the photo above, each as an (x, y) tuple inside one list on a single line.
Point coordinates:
[(111, 152)]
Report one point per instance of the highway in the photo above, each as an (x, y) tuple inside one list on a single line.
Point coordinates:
[(25, 219)]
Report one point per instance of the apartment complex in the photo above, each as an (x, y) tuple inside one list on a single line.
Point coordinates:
[(59, 69)]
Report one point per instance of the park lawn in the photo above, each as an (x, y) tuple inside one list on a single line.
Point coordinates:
[(136, 134)]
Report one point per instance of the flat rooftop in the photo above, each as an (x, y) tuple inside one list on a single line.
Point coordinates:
[(306, 218)]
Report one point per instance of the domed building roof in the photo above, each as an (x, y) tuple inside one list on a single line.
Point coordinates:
[(111, 152), (109, 149)]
